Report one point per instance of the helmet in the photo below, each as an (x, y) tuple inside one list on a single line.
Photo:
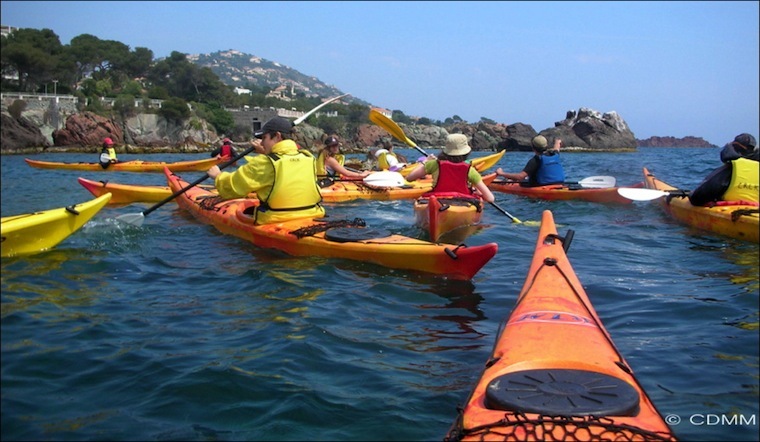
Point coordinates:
[(107, 141), (226, 141)]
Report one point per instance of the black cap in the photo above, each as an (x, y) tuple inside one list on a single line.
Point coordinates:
[(747, 141), (331, 141), (276, 124)]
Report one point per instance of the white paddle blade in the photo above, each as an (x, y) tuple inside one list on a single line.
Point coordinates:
[(640, 194), (598, 182), (135, 219), (385, 178)]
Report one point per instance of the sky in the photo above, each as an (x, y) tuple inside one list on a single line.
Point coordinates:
[(673, 68)]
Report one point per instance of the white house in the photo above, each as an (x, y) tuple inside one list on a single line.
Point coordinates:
[(241, 91)]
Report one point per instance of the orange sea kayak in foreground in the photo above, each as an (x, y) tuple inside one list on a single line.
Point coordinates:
[(332, 239), (555, 373), (131, 166)]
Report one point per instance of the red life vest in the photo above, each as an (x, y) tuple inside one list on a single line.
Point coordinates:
[(452, 179), (226, 150)]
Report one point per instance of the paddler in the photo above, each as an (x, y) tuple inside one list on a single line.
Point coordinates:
[(737, 179), (330, 161), (107, 153), (283, 176)]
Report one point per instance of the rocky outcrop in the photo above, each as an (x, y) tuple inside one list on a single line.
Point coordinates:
[(20, 133), (87, 129), (674, 142), (588, 129)]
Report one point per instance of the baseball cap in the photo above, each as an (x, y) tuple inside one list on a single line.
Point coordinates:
[(539, 142), (276, 124)]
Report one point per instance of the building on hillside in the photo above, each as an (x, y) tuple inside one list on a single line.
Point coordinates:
[(241, 91)]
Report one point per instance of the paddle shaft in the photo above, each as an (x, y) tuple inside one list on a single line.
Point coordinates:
[(515, 220), (196, 182)]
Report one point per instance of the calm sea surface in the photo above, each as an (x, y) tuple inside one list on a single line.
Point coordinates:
[(174, 331)]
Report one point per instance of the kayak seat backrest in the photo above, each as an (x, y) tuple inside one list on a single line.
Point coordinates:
[(562, 392)]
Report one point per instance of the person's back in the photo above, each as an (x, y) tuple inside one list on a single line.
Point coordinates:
[(283, 177), (226, 150), (452, 175), (544, 168), (736, 180)]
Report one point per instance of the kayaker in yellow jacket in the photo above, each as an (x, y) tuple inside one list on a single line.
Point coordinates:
[(736, 180), (330, 162), (283, 177), (107, 153), (451, 173), (387, 159)]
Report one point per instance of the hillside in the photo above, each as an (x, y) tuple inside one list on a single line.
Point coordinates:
[(237, 68)]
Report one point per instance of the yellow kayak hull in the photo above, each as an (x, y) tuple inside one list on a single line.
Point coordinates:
[(738, 221), (39, 231), (131, 166)]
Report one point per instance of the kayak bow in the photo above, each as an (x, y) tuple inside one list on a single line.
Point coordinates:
[(555, 373)]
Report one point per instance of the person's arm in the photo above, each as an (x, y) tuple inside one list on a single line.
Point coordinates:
[(512, 176), (333, 164), (417, 173), (484, 191), (712, 187)]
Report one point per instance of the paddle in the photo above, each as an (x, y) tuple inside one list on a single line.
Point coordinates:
[(385, 178), (514, 220), (592, 182), (649, 194), (394, 129), (137, 219)]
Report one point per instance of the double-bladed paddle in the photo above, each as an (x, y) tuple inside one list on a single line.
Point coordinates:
[(137, 219), (592, 182), (394, 129)]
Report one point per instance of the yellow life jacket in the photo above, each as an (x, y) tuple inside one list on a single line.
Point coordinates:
[(294, 193), (321, 169), (112, 153), (382, 159), (744, 181)]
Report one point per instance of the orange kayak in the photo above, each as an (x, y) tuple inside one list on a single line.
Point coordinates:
[(332, 239), (440, 215), (131, 166), (735, 219), (562, 192), (555, 373)]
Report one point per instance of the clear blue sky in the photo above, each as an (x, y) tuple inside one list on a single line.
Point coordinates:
[(667, 68)]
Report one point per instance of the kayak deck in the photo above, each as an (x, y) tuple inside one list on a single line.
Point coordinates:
[(440, 216), (732, 219), (333, 239), (31, 233), (555, 373), (130, 166)]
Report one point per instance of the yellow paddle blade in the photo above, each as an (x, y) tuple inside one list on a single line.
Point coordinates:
[(386, 123)]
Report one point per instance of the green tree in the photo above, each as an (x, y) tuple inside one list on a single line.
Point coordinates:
[(174, 109), (32, 54)]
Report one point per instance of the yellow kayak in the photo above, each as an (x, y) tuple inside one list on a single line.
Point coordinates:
[(481, 163), (131, 166), (729, 218), (39, 231)]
